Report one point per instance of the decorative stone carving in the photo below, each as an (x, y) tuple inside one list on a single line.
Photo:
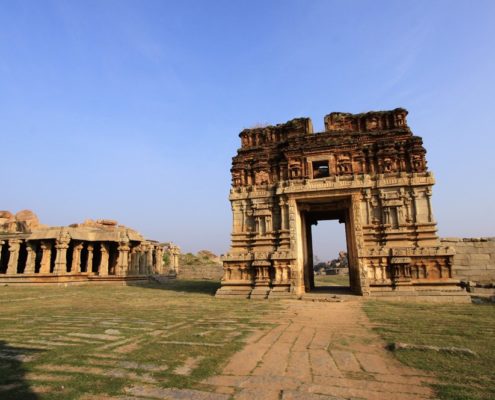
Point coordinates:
[(366, 170)]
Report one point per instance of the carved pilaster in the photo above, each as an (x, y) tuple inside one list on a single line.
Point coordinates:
[(428, 194), (414, 197), (359, 266), (367, 199)]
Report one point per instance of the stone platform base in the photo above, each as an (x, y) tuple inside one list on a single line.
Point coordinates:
[(260, 293), (280, 293), (229, 292), (447, 293), (248, 292), (75, 279), (440, 294)]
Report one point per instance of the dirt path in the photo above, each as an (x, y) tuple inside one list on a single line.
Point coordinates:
[(319, 350)]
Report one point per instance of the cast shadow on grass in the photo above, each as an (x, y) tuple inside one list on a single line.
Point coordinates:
[(179, 285), (13, 384)]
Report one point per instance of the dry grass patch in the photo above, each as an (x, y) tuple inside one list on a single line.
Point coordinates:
[(332, 280), (470, 326), (66, 342)]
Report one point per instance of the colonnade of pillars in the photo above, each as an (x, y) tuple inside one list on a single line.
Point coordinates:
[(65, 257)]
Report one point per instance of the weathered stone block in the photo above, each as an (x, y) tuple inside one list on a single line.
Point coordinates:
[(479, 258)]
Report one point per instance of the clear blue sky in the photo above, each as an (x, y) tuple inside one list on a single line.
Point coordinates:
[(131, 109)]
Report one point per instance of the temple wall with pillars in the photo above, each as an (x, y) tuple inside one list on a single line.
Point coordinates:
[(94, 250), (40, 261)]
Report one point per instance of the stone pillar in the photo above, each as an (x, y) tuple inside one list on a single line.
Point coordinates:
[(142, 262), (76, 258), (14, 245), (31, 257), (139, 261), (103, 267), (123, 260), (61, 244), (149, 260), (89, 259), (133, 261), (46, 256), (174, 252), (159, 260)]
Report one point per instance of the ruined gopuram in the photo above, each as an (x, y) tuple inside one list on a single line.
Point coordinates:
[(367, 171), (99, 250)]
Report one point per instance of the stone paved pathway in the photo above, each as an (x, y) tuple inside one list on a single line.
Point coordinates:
[(319, 350)]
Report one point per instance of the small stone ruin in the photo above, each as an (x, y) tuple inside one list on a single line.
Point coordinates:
[(100, 250)]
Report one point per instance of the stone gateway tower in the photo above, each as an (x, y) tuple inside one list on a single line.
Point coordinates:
[(366, 170)]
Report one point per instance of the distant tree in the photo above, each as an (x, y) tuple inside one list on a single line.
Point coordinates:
[(203, 257), (319, 266)]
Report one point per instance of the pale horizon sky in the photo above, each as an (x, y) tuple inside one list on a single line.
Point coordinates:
[(130, 110)]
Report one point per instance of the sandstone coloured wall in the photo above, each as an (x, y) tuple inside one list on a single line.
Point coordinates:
[(474, 259), (209, 272)]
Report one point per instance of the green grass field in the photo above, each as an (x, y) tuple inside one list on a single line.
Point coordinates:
[(63, 342), (82, 341), (461, 377), (332, 280)]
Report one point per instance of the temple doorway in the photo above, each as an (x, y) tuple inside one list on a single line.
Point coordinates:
[(337, 213), (330, 264)]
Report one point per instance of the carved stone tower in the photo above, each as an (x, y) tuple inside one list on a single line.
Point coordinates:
[(365, 170)]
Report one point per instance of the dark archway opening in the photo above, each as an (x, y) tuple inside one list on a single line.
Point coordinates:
[(113, 254), (96, 257), (69, 256), (84, 258), (4, 258), (336, 211), (38, 258), (21, 261)]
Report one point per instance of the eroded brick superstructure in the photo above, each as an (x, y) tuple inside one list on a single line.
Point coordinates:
[(368, 171)]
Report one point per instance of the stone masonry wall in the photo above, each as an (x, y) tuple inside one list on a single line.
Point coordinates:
[(474, 259), (209, 272)]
